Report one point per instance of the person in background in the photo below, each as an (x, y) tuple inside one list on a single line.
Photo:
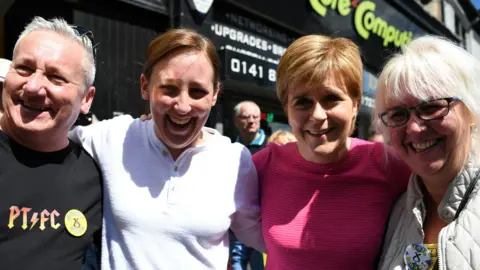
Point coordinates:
[(265, 126), (427, 100), (50, 188), (247, 122), (325, 199), (4, 67), (282, 137), (374, 134), (173, 187)]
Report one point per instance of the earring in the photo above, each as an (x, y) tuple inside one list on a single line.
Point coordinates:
[(473, 128)]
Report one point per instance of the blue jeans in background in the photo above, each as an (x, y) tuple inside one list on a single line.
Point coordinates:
[(242, 255), (92, 258)]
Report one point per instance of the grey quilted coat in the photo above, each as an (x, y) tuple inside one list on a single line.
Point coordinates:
[(459, 241)]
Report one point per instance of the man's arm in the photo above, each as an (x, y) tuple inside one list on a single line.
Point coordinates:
[(92, 136)]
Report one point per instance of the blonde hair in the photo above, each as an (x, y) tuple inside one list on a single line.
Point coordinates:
[(282, 137), (431, 67), (311, 59)]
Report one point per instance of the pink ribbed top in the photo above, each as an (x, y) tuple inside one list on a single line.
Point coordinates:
[(332, 216)]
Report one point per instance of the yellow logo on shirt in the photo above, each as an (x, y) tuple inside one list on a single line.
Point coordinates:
[(75, 222)]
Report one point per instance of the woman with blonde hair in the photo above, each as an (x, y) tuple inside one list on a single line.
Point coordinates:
[(281, 137), (428, 100), (173, 187), (326, 198)]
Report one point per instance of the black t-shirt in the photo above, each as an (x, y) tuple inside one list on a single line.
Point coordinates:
[(42, 198)]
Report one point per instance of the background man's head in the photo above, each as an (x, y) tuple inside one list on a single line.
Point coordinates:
[(50, 80), (247, 118)]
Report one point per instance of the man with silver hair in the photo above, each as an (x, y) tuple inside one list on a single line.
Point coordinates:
[(50, 188), (247, 122)]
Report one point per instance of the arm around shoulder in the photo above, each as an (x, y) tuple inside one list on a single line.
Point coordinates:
[(90, 136), (246, 222)]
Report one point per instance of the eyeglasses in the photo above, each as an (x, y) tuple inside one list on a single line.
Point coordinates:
[(83, 32), (246, 116), (428, 110)]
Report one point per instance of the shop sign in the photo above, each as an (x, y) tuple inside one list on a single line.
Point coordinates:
[(254, 26), (368, 102), (234, 36), (370, 83), (250, 50), (366, 22), (378, 27), (240, 65), (246, 56)]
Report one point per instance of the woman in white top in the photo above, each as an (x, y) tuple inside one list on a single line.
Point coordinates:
[(173, 187)]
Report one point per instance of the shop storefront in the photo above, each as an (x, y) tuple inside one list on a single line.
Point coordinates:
[(250, 50), (251, 36), (122, 31)]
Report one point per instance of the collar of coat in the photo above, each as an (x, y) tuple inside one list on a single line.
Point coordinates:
[(450, 202)]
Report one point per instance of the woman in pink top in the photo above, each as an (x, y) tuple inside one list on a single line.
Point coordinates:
[(325, 198)]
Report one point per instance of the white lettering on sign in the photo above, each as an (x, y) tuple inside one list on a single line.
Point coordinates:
[(247, 39), (250, 67), (368, 102), (258, 27), (254, 70)]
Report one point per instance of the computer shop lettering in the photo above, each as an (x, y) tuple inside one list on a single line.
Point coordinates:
[(366, 22)]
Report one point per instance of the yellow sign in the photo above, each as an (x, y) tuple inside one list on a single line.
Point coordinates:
[(75, 223), (365, 20)]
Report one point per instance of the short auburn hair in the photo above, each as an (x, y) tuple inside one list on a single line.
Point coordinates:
[(177, 39), (311, 59)]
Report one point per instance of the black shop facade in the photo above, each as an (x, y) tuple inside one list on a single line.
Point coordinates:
[(251, 36)]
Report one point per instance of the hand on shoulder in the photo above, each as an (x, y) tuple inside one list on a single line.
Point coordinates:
[(145, 117)]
